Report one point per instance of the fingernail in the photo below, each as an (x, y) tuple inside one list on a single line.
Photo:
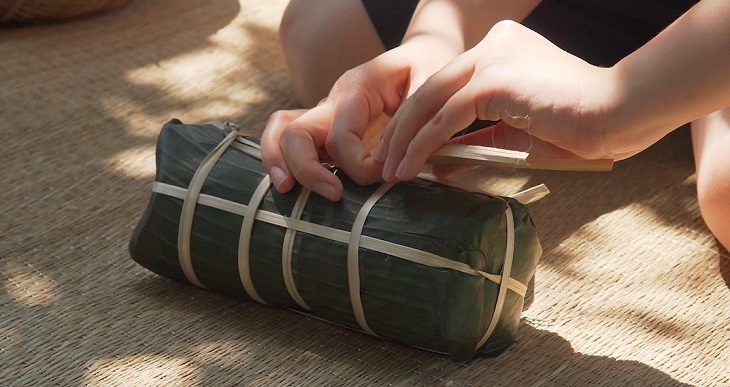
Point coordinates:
[(401, 170), (325, 189), (380, 152), (277, 175)]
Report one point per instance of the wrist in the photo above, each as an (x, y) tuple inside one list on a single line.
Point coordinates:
[(438, 20), (635, 113), (624, 115)]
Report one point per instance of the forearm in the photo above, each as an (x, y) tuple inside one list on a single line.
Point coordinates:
[(463, 23), (681, 74)]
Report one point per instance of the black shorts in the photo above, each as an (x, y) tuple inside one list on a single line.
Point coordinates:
[(601, 32)]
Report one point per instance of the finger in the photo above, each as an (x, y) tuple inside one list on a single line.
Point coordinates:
[(299, 144), (271, 155), (353, 114), (457, 113), (419, 109), (415, 98)]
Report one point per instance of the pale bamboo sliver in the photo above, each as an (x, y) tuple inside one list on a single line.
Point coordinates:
[(483, 155)]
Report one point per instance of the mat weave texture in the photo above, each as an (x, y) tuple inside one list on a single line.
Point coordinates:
[(631, 289), (25, 11)]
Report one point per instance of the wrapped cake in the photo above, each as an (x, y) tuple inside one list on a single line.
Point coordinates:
[(419, 262)]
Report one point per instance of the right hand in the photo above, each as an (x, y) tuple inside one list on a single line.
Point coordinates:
[(296, 142)]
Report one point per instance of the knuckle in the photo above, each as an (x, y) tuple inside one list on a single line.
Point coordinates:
[(290, 129), (411, 150), (502, 38), (281, 114), (353, 76), (503, 28), (299, 170), (307, 173), (289, 134), (438, 118), (332, 144), (278, 115), (419, 96), (488, 107)]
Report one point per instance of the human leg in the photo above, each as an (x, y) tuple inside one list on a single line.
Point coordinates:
[(711, 143), (321, 40)]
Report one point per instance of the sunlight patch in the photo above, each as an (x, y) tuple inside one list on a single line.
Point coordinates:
[(190, 76), (26, 285), (141, 370), (137, 162)]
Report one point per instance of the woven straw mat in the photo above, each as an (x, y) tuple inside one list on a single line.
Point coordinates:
[(632, 288), (19, 11)]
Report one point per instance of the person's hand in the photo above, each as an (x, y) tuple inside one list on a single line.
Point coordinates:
[(550, 101), (296, 142)]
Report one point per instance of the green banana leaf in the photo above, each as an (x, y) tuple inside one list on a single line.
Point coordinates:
[(433, 308)]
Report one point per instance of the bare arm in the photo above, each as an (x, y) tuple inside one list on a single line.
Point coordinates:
[(463, 23), (572, 108), (680, 75), (293, 141)]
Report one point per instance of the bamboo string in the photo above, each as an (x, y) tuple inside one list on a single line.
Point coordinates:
[(244, 239), (355, 238), (506, 272), (403, 252), (287, 250), (482, 155), (353, 256), (532, 194)]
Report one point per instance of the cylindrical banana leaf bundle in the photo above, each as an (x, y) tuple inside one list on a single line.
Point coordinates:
[(418, 262)]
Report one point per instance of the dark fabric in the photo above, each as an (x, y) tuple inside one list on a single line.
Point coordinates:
[(432, 308), (601, 32), (390, 19)]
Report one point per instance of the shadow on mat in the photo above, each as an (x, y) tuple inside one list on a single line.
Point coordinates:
[(724, 265), (658, 179), (281, 341), (70, 225)]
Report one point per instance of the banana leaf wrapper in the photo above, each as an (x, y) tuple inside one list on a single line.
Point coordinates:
[(434, 308)]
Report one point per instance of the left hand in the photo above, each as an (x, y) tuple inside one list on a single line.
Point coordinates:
[(512, 74), (295, 142)]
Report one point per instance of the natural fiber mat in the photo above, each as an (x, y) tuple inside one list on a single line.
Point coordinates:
[(632, 288)]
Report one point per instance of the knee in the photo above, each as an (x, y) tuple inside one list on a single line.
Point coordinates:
[(713, 193), (292, 21), (305, 49), (322, 39), (293, 42)]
